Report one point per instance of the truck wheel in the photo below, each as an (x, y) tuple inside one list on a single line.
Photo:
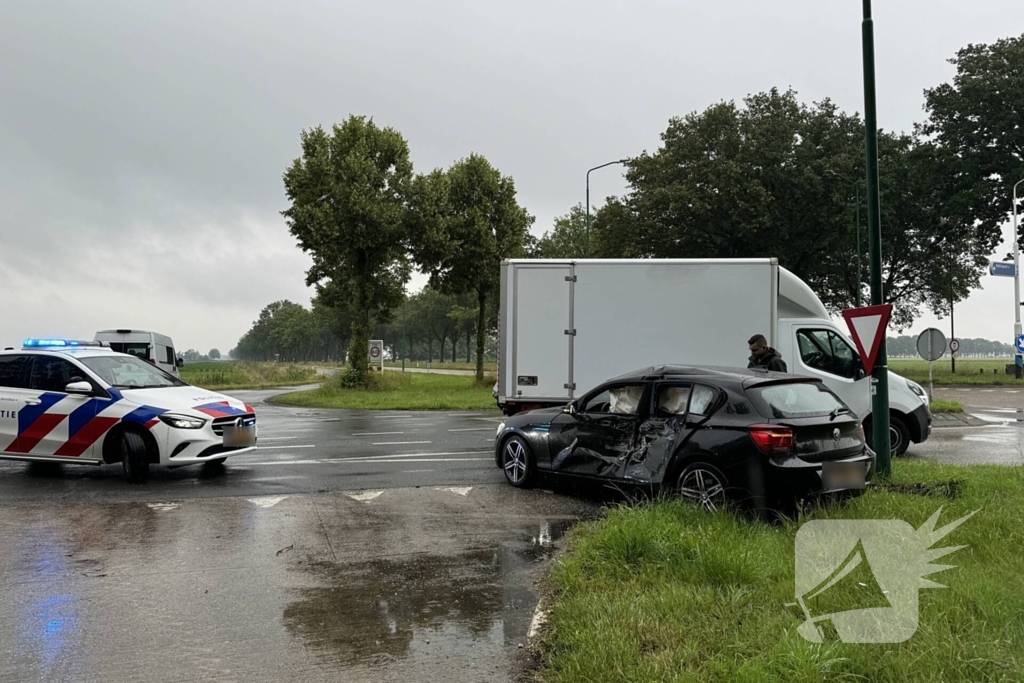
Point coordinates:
[(134, 459), (899, 435), (515, 462), (704, 485)]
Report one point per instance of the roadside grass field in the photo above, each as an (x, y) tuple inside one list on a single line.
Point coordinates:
[(947, 407), (666, 592), (244, 375), (968, 371), (400, 391)]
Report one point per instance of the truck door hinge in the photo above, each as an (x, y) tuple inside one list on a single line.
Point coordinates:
[(570, 278), (571, 333), (570, 386)]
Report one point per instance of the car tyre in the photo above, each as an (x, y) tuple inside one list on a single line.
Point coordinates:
[(134, 459), (704, 485), (516, 462), (216, 462), (899, 435)]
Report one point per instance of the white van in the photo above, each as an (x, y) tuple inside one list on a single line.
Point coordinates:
[(156, 348)]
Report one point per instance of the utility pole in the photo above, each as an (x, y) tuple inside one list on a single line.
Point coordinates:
[(880, 374)]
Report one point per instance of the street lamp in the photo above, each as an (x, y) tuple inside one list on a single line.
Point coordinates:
[(856, 187), (1016, 285), (620, 161)]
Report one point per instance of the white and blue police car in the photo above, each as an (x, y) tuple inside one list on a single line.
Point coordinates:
[(81, 402)]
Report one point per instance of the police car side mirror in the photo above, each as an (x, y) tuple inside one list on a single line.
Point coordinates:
[(79, 388)]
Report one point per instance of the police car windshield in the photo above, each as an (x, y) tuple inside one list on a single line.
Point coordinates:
[(127, 372)]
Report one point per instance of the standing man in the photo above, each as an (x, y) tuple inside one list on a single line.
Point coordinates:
[(764, 356)]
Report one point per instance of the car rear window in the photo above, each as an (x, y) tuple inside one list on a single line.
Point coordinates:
[(794, 399)]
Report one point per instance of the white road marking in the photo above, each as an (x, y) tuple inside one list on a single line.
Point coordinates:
[(162, 507), (473, 429), (277, 438), (267, 448), (365, 496), (267, 501), (398, 443), (458, 490), (375, 433)]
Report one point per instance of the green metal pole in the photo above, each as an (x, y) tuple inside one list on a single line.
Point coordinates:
[(860, 277), (880, 374)]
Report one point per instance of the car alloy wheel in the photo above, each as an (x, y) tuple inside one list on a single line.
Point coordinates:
[(514, 461), (702, 486)]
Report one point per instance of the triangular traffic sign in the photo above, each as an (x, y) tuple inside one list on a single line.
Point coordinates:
[(867, 327)]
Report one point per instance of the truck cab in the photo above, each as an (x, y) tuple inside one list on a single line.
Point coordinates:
[(152, 347)]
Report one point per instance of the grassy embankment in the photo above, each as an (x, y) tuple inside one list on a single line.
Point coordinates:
[(400, 391), (218, 376), (665, 592), (970, 371)]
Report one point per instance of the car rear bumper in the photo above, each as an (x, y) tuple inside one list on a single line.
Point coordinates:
[(790, 477)]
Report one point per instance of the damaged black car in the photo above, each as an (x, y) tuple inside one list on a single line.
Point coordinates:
[(709, 435)]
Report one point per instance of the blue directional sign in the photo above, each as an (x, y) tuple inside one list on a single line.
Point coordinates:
[(1020, 344), (1002, 269)]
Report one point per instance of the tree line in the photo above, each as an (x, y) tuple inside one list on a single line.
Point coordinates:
[(425, 326), (769, 177), (906, 347)]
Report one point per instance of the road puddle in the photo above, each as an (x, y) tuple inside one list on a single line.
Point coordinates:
[(476, 604)]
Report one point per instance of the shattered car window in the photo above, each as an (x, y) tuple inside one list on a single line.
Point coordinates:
[(702, 399), (673, 400), (625, 400)]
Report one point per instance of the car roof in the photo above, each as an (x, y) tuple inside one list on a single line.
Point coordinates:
[(745, 376), (80, 352)]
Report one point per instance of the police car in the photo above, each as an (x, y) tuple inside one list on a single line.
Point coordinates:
[(81, 402)]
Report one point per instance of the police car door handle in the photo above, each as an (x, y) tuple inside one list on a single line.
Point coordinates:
[(32, 401)]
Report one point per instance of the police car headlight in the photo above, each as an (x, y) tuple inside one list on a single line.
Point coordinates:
[(182, 421), (501, 428)]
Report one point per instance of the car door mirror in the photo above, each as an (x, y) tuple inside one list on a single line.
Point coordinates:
[(570, 408), (180, 362), (861, 374), (79, 388)]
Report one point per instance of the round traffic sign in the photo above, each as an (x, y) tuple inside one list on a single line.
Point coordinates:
[(954, 345), (931, 344), (374, 351)]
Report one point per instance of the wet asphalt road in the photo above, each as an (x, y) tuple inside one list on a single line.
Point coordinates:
[(352, 546)]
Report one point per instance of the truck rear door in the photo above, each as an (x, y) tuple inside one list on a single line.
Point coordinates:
[(541, 354)]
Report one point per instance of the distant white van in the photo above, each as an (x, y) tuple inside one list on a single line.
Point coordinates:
[(156, 348)]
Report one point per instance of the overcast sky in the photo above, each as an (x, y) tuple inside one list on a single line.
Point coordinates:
[(142, 143)]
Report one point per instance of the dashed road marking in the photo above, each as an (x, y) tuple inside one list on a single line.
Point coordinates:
[(267, 501), (458, 490), (376, 433), (365, 496), (162, 507), (398, 443)]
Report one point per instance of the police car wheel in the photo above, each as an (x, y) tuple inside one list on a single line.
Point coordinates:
[(133, 458)]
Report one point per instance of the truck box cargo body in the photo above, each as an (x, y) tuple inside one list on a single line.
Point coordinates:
[(566, 326)]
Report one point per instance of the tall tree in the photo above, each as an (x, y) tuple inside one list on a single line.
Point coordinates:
[(214, 354), (568, 237), (464, 223), (348, 193), (978, 118)]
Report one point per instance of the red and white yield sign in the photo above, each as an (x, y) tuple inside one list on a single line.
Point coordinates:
[(867, 327)]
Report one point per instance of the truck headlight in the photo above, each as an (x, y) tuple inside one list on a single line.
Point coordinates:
[(182, 421), (917, 389)]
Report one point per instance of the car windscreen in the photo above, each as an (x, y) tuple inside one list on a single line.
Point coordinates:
[(794, 399), (128, 372)]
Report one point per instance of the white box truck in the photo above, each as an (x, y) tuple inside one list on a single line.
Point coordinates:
[(566, 326)]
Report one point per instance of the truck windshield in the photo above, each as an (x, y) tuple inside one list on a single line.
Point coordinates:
[(795, 399), (128, 372)]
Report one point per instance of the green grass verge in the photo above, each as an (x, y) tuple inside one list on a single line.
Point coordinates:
[(243, 375), (947, 407), (992, 372), (400, 391), (664, 592), (489, 366)]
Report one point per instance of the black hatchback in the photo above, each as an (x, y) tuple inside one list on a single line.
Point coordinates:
[(708, 434)]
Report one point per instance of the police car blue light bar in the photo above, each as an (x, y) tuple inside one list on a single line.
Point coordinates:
[(57, 343)]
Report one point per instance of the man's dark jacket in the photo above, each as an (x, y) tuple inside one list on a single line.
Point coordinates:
[(769, 361)]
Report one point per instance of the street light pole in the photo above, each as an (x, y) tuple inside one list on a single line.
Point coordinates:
[(1019, 361), (880, 374), (856, 187), (619, 161)]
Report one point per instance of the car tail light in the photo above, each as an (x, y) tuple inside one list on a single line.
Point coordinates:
[(772, 440)]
